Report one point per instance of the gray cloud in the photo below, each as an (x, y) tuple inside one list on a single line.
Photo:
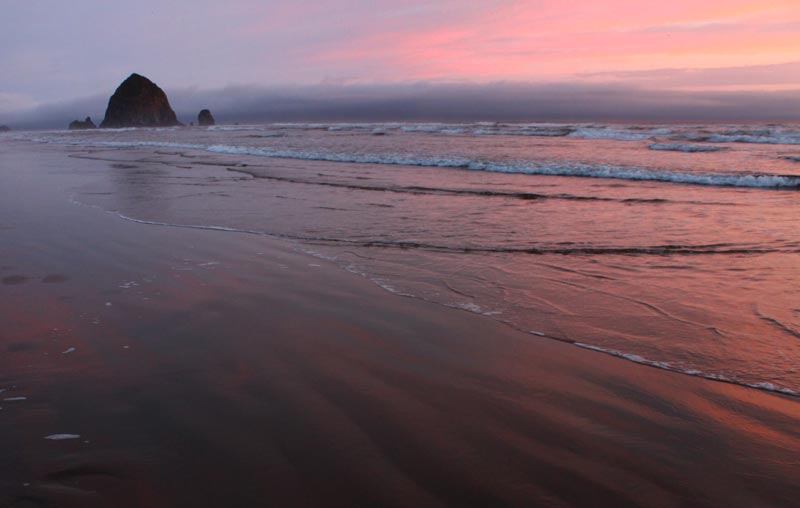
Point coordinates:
[(445, 102), (774, 74)]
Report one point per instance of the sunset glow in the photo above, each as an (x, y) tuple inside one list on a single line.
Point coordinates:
[(400, 253), (542, 41), (679, 45)]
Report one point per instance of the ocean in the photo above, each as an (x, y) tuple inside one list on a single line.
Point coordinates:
[(674, 246)]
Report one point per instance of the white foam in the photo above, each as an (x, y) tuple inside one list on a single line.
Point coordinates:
[(271, 134), (427, 127), (756, 180), (617, 134), (768, 139), (15, 399), (233, 127), (767, 386), (551, 169), (468, 306), (536, 132), (61, 437), (68, 351), (686, 148)]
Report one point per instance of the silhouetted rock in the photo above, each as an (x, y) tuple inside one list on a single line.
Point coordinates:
[(86, 124), (4, 128), (138, 102), (205, 118)]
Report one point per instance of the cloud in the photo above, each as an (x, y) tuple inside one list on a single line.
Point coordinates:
[(774, 75), (15, 101), (506, 101), (55, 115), (212, 44)]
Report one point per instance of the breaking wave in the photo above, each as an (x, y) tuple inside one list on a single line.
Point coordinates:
[(765, 385), (686, 148), (573, 169)]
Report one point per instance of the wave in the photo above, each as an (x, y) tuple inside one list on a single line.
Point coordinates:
[(646, 250), (773, 135), (572, 169), (441, 191), (543, 132), (793, 139), (470, 307), (268, 134), (777, 135), (762, 180), (619, 134), (764, 385), (686, 148), (765, 136), (586, 131), (657, 250), (562, 249), (233, 127), (432, 127)]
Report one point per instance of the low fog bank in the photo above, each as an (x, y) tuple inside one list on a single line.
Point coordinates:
[(442, 102)]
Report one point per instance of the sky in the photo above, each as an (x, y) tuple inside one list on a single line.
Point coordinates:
[(60, 56)]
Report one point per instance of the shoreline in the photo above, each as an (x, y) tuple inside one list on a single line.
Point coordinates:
[(250, 168), (274, 378)]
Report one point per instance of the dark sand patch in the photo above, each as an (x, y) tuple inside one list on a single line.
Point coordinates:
[(18, 347), (12, 280), (54, 278)]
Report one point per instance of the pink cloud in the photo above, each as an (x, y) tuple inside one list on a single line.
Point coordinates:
[(556, 40)]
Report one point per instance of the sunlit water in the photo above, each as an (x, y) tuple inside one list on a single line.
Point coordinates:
[(675, 246)]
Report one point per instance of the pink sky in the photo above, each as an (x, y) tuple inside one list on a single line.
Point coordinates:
[(553, 40), (55, 50)]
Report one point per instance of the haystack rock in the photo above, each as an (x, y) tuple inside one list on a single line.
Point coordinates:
[(138, 102), (205, 118), (4, 128), (86, 124)]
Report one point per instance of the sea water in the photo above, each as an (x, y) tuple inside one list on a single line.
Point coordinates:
[(676, 246)]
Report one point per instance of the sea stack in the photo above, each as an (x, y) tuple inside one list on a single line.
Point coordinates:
[(4, 128), (204, 118), (138, 102), (86, 124)]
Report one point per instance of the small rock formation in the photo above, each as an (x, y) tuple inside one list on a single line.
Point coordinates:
[(4, 128), (138, 102), (205, 118), (86, 124)]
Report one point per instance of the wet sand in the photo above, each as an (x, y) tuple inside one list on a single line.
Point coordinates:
[(204, 368)]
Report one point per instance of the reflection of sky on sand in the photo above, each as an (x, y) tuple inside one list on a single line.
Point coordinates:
[(691, 278), (267, 378)]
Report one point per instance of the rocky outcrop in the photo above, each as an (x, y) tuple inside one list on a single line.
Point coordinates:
[(138, 102), (4, 128), (205, 118), (86, 124)]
